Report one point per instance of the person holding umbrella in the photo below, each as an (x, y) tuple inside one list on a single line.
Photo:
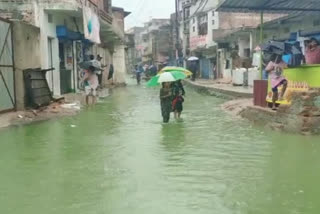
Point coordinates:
[(166, 98), (275, 69), (193, 66), (91, 84), (165, 101)]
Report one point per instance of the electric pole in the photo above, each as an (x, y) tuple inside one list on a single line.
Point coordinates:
[(178, 47)]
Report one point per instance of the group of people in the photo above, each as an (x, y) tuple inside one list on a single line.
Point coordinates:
[(171, 100), (93, 77), (276, 65), (149, 70)]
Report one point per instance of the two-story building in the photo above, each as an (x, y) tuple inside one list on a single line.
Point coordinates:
[(205, 35), (70, 31), (156, 45)]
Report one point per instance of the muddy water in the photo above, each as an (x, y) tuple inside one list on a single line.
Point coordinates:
[(118, 158)]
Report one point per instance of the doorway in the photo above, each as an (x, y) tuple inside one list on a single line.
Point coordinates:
[(50, 65)]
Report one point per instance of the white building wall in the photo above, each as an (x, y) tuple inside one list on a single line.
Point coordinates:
[(119, 64), (244, 43), (205, 41), (48, 30)]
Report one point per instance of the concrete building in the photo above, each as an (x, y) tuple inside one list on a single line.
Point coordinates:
[(17, 41), (202, 32), (130, 52), (63, 40), (184, 13), (119, 55), (56, 31), (137, 36), (154, 42)]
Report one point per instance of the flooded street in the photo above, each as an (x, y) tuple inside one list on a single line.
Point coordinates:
[(118, 158)]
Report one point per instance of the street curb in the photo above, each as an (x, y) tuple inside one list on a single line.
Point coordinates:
[(217, 92)]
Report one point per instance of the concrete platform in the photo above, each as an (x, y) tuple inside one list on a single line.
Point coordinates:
[(227, 91)]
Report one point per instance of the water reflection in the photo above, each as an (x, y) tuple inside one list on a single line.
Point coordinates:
[(173, 136)]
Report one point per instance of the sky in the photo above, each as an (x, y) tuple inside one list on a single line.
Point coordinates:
[(143, 10)]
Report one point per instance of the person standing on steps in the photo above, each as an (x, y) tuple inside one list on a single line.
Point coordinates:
[(275, 70), (166, 101)]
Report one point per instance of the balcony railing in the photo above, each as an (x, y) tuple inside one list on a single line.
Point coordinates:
[(105, 16)]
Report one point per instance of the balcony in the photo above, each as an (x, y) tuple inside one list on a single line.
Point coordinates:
[(60, 5), (105, 16)]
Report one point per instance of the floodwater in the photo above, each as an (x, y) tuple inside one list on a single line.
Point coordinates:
[(118, 158)]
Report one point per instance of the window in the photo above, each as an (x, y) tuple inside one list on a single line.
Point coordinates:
[(186, 13), (213, 13), (213, 22), (193, 20), (107, 5), (50, 18), (203, 25), (316, 22), (286, 30), (186, 26), (246, 52), (194, 29)]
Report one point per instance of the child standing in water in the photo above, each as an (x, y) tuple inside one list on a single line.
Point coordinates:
[(166, 101), (177, 103)]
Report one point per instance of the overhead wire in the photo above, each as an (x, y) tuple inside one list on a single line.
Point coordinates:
[(139, 10), (196, 11)]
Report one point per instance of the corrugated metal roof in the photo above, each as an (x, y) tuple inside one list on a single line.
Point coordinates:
[(270, 6)]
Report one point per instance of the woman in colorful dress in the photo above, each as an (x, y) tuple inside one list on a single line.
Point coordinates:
[(275, 70)]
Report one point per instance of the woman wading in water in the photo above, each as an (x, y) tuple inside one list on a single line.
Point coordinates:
[(166, 101)]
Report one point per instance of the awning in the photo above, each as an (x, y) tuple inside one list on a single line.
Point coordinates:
[(269, 6), (63, 33)]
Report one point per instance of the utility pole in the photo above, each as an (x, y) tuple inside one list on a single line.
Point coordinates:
[(178, 46)]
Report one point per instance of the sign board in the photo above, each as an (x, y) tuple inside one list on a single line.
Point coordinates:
[(197, 41), (299, 79), (91, 25)]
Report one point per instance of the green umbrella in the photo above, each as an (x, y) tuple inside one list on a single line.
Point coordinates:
[(166, 77)]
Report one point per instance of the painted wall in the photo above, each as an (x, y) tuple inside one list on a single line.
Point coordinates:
[(26, 40)]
